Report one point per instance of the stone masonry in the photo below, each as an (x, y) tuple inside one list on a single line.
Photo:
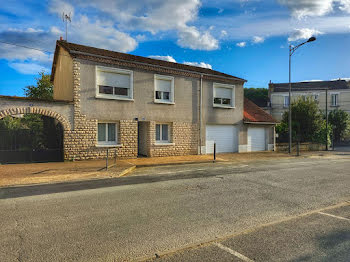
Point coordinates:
[(81, 142)]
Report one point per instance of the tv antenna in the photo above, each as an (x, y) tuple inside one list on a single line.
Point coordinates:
[(66, 18)]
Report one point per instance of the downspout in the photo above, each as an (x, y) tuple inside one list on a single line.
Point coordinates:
[(200, 113)]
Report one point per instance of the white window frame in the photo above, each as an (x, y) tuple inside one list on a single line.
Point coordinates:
[(233, 102), (337, 99), (108, 143), (118, 71), (171, 100), (161, 141), (284, 101)]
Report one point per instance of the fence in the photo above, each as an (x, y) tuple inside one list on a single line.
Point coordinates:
[(283, 147)]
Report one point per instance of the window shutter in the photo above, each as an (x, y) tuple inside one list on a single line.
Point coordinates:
[(113, 79), (163, 85), (222, 92)]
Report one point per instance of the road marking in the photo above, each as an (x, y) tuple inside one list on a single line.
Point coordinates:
[(232, 252), (326, 214)]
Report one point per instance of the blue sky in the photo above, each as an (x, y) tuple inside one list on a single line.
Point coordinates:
[(245, 38)]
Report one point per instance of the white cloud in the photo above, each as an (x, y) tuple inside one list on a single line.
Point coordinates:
[(101, 34), (258, 39), (241, 44), (303, 33), (201, 64), (304, 8), (190, 37), (155, 16), (59, 7), (223, 33), (164, 58), (28, 68)]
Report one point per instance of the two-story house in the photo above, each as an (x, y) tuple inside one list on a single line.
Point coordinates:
[(336, 91), (138, 106)]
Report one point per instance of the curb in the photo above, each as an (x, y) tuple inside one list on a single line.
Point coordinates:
[(127, 171), (181, 163)]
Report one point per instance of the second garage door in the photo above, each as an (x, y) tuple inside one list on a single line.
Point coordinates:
[(225, 137), (256, 139)]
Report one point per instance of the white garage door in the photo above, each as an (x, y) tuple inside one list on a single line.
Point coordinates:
[(256, 139), (225, 137)]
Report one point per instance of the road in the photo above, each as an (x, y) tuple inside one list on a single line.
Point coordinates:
[(270, 211)]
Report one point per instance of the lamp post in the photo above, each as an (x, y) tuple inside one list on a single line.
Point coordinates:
[(292, 49)]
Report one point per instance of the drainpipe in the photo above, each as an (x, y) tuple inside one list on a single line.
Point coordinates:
[(200, 113)]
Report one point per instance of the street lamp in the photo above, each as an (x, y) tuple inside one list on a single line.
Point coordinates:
[(292, 49)]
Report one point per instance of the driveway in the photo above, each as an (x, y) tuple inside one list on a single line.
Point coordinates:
[(163, 210)]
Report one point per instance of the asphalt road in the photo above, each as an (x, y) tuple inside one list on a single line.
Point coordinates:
[(163, 210)]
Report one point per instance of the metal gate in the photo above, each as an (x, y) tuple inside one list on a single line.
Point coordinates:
[(22, 146)]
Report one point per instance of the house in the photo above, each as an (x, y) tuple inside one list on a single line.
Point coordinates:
[(137, 106), (337, 92)]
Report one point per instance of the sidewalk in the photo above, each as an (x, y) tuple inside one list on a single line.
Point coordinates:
[(37, 173)]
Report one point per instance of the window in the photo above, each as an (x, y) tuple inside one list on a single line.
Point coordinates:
[(223, 95), (113, 83), (162, 133), (335, 99), (315, 98), (286, 101), (163, 89), (107, 134)]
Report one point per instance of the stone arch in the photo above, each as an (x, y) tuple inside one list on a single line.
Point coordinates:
[(37, 110)]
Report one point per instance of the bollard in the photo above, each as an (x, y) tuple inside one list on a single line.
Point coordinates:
[(214, 152), (115, 157), (298, 148), (107, 159)]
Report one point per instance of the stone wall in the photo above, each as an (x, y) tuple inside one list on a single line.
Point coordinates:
[(81, 142), (283, 147), (183, 140)]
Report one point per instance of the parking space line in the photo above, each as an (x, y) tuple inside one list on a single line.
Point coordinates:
[(232, 252), (326, 214)]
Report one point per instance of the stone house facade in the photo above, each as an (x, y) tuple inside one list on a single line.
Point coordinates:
[(336, 92), (136, 106)]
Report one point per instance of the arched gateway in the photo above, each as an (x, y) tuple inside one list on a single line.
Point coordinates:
[(14, 144)]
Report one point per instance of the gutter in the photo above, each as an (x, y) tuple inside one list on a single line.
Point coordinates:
[(200, 114), (260, 123), (159, 66)]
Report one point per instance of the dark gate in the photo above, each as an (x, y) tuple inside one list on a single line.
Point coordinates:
[(23, 146)]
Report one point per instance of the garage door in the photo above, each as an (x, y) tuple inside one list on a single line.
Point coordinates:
[(256, 139), (225, 137)]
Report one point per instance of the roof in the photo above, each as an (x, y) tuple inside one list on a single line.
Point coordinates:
[(254, 114), (112, 57), (310, 86)]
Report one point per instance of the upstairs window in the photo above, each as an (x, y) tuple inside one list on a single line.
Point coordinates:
[(113, 83), (107, 134), (334, 99), (224, 95), (163, 89), (286, 101)]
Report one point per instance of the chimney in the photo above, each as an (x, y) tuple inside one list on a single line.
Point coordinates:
[(61, 38)]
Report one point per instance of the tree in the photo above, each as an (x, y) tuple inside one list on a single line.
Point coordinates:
[(259, 96), (308, 124), (43, 88), (339, 120)]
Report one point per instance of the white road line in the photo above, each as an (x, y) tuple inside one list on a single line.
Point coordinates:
[(326, 214), (232, 252)]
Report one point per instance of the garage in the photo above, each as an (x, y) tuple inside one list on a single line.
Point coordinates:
[(256, 139), (225, 137)]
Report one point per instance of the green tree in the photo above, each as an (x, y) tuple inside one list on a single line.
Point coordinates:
[(339, 120), (259, 96), (43, 88), (307, 122)]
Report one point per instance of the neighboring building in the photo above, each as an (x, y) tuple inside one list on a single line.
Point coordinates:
[(338, 95), (139, 106)]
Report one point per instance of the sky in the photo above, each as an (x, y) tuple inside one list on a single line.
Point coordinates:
[(244, 38)]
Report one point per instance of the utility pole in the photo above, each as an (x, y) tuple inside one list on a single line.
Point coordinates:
[(66, 18), (327, 119)]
